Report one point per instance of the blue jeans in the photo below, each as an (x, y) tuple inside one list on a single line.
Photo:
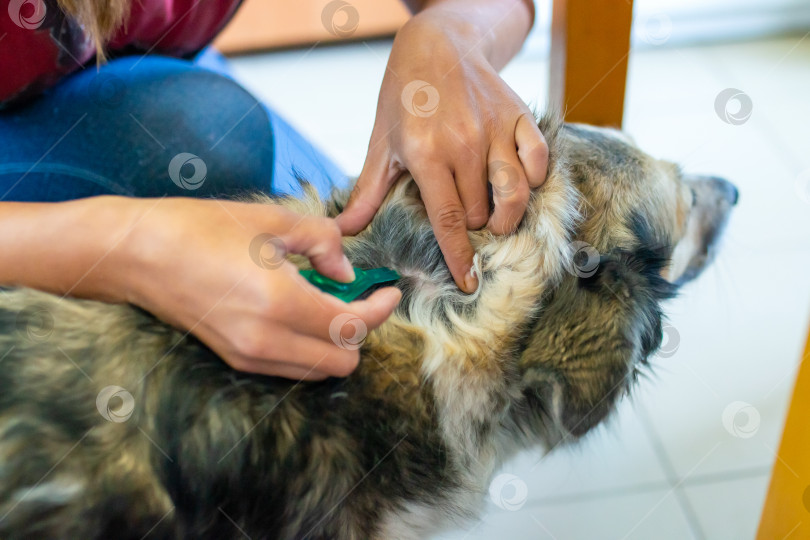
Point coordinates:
[(153, 126)]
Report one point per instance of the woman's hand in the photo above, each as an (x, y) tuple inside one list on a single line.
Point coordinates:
[(445, 115), (214, 268), (217, 269)]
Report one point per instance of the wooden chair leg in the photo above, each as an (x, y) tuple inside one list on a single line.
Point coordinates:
[(590, 44)]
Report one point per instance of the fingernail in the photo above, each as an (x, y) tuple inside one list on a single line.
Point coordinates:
[(347, 270)]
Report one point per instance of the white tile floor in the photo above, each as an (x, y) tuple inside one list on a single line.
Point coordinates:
[(666, 467)]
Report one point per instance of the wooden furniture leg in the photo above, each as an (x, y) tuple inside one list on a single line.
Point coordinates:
[(590, 44)]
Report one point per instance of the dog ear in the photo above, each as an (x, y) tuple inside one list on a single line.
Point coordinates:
[(595, 330)]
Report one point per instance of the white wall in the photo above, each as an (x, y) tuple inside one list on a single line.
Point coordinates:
[(660, 23)]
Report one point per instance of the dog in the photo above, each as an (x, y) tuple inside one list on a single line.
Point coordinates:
[(116, 425)]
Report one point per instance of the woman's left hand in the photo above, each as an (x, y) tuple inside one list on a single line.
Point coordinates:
[(445, 115)]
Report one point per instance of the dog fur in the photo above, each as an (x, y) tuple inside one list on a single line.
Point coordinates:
[(446, 390)]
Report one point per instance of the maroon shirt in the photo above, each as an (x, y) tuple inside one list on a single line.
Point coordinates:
[(39, 44)]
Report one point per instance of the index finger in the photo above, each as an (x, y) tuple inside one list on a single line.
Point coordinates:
[(367, 195), (446, 214)]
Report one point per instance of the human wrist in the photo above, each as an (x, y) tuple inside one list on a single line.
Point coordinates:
[(105, 259), (438, 30), (136, 249), (496, 29)]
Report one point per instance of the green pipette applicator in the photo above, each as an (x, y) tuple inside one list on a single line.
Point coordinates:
[(363, 281)]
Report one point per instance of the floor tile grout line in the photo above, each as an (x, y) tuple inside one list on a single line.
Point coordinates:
[(728, 476), (689, 512), (651, 487), (648, 487), (670, 491), (674, 480)]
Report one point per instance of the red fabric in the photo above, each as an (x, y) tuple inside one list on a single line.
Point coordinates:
[(174, 27), (39, 45)]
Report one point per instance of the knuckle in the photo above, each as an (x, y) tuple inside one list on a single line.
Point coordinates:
[(330, 230), (264, 296), (278, 303), (466, 132), (449, 216), (353, 191), (248, 345), (325, 231), (418, 148), (360, 199), (357, 193)]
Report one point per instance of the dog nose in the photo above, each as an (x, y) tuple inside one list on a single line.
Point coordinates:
[(728, 190)]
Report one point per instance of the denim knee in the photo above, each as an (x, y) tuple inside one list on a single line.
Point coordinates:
[(139, 126)]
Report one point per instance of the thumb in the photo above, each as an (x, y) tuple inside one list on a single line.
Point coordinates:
[(319, 240), (375, 309), (368, 194)]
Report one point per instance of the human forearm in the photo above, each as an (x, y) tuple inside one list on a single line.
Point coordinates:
[(66, 248), (497, 28)]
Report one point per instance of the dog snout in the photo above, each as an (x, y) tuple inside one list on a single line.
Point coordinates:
[(726, 189)]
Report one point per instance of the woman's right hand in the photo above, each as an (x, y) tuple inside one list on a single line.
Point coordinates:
[(217, 269)]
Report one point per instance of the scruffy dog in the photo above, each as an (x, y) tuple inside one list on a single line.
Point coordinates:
[(115, 425)]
